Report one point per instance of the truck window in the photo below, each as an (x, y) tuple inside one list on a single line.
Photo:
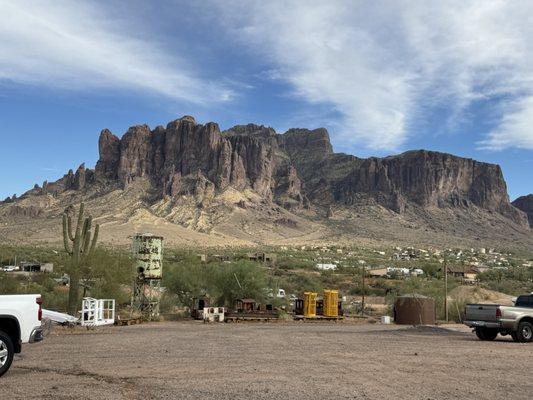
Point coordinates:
[(524, 301)]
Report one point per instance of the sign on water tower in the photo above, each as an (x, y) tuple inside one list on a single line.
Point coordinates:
[(148, 254)]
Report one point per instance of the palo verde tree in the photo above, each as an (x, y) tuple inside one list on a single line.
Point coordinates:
[(79, 246)]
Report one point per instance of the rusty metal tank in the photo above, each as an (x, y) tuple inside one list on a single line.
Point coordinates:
[(415, 310), (148, 255)]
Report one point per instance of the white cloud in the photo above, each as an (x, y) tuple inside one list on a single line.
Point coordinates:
[(515, 129), (77, 45), (383, 64)]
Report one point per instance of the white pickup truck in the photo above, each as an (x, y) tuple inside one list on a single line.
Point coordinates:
[(20, 322)]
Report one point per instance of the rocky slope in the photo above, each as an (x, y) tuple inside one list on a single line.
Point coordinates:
[(201, 179), (525, 203)]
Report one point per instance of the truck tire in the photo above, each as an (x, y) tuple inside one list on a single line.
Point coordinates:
[(514, 336), (486, 334), (525, 332), (7, 351)]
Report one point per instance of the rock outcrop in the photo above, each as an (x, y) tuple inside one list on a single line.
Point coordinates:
[(297, 170), (525, 203)]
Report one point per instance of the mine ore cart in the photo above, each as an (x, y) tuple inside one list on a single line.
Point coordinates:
[(249, 310), (198, 305)]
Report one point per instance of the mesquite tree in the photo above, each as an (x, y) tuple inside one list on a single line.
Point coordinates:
[(79, 246)]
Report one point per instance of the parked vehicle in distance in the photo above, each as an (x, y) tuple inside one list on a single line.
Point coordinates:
[(490, 319), (10, 268), (20, 322), (280, 293)]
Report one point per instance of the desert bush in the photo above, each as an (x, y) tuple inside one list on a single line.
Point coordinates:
[(106, 274), (188, 280), (8, 284), (223, 282), (238, 280)]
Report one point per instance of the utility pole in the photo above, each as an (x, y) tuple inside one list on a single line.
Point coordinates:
[(445, 289), (363, 297)]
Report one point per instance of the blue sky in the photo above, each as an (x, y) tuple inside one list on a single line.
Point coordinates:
[(383, 77)]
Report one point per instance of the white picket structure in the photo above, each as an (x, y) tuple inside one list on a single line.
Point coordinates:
[(97, 312)]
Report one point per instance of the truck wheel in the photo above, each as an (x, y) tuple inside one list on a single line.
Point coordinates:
[(7, 351), (525, 332), (486, 334)]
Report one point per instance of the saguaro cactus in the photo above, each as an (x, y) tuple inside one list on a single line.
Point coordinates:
[(79, 246)]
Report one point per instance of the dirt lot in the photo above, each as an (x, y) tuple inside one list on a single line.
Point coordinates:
[(189, 360)]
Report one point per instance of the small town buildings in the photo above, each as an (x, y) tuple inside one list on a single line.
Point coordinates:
[(263, 257), (395, 272)]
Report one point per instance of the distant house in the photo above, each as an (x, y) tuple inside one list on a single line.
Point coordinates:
[(326, 267), (36, 267), (465, 272), (263, 257)]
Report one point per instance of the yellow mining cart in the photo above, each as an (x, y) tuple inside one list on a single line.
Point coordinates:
[(310, 304), (331, 303)]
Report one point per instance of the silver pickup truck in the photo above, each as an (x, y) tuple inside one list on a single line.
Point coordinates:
[(490, 319)]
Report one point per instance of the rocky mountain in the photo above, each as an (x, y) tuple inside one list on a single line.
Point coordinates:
[(200, 178), (525, 203)]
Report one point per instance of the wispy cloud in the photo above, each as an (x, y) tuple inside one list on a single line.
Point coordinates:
[(50, 169), (384, 64), (77, 45)]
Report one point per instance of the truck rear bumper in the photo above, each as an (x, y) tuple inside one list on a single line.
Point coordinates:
[(483, 324), (36, 335)]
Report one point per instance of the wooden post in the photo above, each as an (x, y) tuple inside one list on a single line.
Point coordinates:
[(446, 289), (363, 297)]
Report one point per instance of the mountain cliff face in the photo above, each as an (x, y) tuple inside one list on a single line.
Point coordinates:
[(525, 203), (198, 186), (297, 170)]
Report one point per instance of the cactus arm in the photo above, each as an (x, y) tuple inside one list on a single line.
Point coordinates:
[(65, 234), (86, 235), (80, 221), (69, 228), (77, 238), (95, 238)]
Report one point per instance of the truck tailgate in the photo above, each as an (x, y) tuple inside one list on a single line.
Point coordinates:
[(481, 312)]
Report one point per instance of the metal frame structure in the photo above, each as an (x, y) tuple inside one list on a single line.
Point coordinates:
[(146, 294)]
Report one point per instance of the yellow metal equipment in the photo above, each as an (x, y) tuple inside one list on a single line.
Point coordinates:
[(331, 303), (310, 304)]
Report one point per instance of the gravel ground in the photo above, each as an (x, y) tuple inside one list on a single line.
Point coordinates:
[(190, 360)]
